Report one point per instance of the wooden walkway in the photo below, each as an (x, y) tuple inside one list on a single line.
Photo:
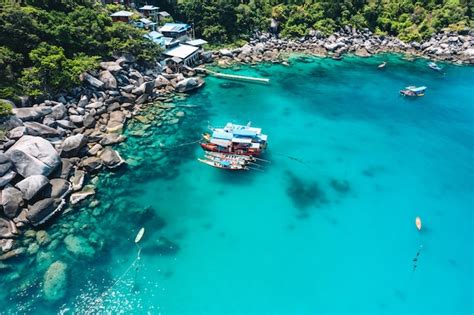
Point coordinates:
[(233, 76)]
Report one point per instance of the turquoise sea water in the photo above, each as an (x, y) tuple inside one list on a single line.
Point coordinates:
[(327, 227)]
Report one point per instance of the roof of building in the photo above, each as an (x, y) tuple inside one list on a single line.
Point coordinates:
[(149, 7), (146, 21), (122, 14), (170, 40), (177, 60), (181, 51), (164, 13), (196, 42), (154, 35), (174, 27)]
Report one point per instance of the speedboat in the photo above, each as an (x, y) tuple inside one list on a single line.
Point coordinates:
[(418, 223), (434, 66), (382, 65), (413, 91)]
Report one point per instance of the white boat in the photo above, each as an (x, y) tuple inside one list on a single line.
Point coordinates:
[(382, 65), (434, 66)]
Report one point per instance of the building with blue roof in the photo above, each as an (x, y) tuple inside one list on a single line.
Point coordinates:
[(175, 30)]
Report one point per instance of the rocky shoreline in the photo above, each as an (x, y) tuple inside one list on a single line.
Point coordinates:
[(50, 150), (264, 47)]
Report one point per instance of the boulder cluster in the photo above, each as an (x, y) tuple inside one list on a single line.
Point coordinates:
[(446, 46), (49, 148)]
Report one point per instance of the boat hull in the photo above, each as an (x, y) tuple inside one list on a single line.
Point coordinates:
[(215, 148)]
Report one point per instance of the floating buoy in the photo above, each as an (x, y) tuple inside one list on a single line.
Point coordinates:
[(139, 235), (418, 223)]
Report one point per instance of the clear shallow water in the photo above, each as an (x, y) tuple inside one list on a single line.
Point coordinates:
[(289, 240)]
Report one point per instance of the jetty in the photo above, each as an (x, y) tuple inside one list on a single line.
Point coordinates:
[(232, 76)]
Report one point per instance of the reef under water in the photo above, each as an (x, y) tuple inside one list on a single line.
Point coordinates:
[(348, 154)]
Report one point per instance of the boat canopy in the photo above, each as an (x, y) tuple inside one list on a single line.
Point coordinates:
[(255, 146), (242, 140), (220, 134), (234, 128), (244, 133), (416, 89), (220, 142)]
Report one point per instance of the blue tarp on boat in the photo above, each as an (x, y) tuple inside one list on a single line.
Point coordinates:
[(244, 133)]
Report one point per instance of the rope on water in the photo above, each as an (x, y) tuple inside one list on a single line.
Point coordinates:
[(99, 300), (178, 145), (294, 159)]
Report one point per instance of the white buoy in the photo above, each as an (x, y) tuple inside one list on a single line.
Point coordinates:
[(139, 235)]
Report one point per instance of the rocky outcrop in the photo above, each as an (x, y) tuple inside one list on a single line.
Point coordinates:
[(96, 83), (60, 188), (42, 210), (6, 174), (111, 66), (72, 145), (41, 130), (111, 158), (31, 113), (33, 156), (55, 281), (12, 201), (7, 229), (189, 84), (32, 186), (108, 79)]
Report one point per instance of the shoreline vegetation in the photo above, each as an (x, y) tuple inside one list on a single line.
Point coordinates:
[(52, 149)]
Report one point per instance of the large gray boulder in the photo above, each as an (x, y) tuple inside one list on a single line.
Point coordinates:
[(72, 145), (7, 177), (28, 113), (161, 81), (7, 229), (17, 132), (60, 188), (116, 120), (12, 200), (226, 53), (92, 163), (108, 79), (111, 158), (55, 281), (88, 121), (37, 129), (5, 164), (58, 111), (43, 210), (145, 88), (111, 66), (189, 84), (334, 46), (33, 156), (32, 185), (66, 124), (112, 138), (92, 81)]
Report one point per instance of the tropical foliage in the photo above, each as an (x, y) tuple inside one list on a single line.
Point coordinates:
[(46, 44), (224, 20)]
